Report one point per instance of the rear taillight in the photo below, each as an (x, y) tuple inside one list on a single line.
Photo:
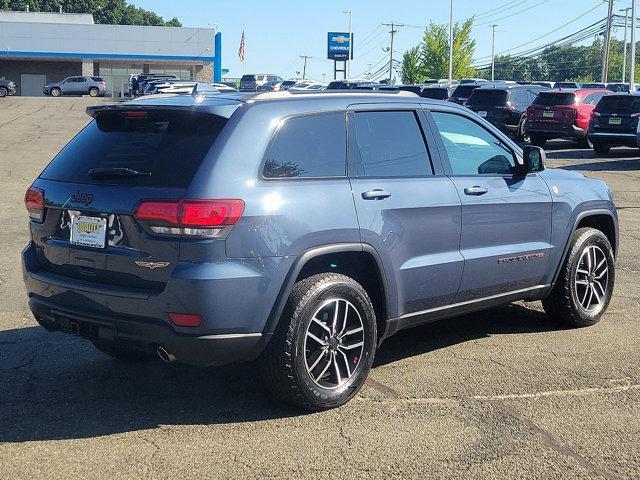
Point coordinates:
[(34, 201), (595, 114), (570, 113), (635, 115), (509, 106), (185, 319), (193, 218)]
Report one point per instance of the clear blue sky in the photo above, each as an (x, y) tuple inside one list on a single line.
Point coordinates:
[(278, 32)]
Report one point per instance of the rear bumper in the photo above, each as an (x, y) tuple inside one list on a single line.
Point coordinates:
[(234, 297), (557, 130), (146, 335), (614, 139)]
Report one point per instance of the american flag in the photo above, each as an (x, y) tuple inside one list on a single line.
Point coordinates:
[(241, 49)]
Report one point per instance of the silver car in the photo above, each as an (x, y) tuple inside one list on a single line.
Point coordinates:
[(92, 86)]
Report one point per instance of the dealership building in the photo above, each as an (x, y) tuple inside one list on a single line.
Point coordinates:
[(38, 48)]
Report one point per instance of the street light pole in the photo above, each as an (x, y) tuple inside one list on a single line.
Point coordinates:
[(607, 45), (451, 45), (632, 66), (348, 64), (493, 52), (624, 48)]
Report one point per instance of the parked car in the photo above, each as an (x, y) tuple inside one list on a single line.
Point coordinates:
[(614, 122), (565, 85), (350, 84), (213, 230), (621, 87), (436, 91), (253, 82), (504, 105), (93, 86), (307, 87), (287, 84), (544, 84), (144, 78), (7, 87), (224, 88), (562, 114), (271, 86), (594, 86), (463, 91)]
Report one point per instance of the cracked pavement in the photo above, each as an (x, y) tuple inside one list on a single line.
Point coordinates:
[(499, 394)]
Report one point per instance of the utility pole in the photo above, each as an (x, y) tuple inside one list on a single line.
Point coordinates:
[(348, 64), (393, 31), (451, 45), (304, 68), (493, 52), (624, 48), (632, 67), (607, 42)]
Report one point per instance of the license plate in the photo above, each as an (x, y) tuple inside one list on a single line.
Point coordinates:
[(547, 114), (615, 121), (88, 231), (482, 114)]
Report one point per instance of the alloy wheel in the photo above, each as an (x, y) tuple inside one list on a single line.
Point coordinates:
[(333, 343), (592, 279)]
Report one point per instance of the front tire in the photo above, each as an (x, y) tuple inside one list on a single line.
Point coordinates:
[(324, 345), (56, 92), (538, 140), (584, 287), (601, 149)]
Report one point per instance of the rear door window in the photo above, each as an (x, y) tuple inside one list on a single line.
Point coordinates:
[(309, 146), (166, 147), (389, 144)]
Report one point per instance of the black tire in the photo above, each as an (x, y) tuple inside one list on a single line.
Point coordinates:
[(585, 143), (564, 303), (520, 134), (538, 140), (56, 92), (601, 149), (3, 92), (284, 363), (94, 92), (121, 353)]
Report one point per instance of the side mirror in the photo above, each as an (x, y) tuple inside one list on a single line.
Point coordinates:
[(534, 159)]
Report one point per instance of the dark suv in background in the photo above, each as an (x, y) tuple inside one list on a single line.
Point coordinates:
[(302, 230), (614, 122), (504, 105), (463, 91)]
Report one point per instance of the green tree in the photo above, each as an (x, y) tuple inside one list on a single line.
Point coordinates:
[(104, 11), (412, 66), (435, 50)]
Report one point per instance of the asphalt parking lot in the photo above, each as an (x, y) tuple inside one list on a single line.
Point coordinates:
[(502, 394)]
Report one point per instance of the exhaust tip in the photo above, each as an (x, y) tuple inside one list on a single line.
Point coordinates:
[(165, 356)]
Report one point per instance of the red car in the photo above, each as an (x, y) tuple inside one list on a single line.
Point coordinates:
[(562, 114)]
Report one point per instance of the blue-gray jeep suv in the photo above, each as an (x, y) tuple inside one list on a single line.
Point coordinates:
[(302, 230)]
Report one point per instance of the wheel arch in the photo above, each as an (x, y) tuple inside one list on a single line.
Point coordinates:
[(319, 259), (601, 219)]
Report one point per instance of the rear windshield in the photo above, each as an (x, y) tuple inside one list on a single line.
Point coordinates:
[(619, 104), (548, 99), (488, 98), (435, 93), (248, 78), (464, 91), (167, 147)]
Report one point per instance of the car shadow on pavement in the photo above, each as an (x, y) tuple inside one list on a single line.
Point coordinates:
[(510, 319), (606, 166), (55, 386)]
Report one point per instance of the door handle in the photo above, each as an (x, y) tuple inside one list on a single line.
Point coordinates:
[(475, 190), (375, 194)]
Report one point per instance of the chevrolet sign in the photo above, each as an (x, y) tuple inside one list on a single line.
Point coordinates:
[(338, 46)]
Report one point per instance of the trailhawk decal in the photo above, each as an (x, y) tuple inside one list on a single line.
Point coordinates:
[(521, 258)]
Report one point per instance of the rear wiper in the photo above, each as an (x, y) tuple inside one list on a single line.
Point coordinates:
[(116, 172)]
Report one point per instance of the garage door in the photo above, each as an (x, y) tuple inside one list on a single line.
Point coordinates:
[(31, 85)]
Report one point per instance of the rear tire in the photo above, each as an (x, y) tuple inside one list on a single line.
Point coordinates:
[(94, 92), (601, 149), (121, 353), (538, 140), (56, 92), (3, 92), (584, 287), (324, 345), (520, 134)]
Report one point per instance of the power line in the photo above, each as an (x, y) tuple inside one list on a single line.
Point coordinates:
[(393, 31), (512, 15), (501, 7)]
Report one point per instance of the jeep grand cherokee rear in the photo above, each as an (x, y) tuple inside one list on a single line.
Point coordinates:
[(614, 122)]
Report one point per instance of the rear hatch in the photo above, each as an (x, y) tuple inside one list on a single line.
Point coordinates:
[(93, 186), (462, 93), (617, 114), (489, 104), (553, 110)]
